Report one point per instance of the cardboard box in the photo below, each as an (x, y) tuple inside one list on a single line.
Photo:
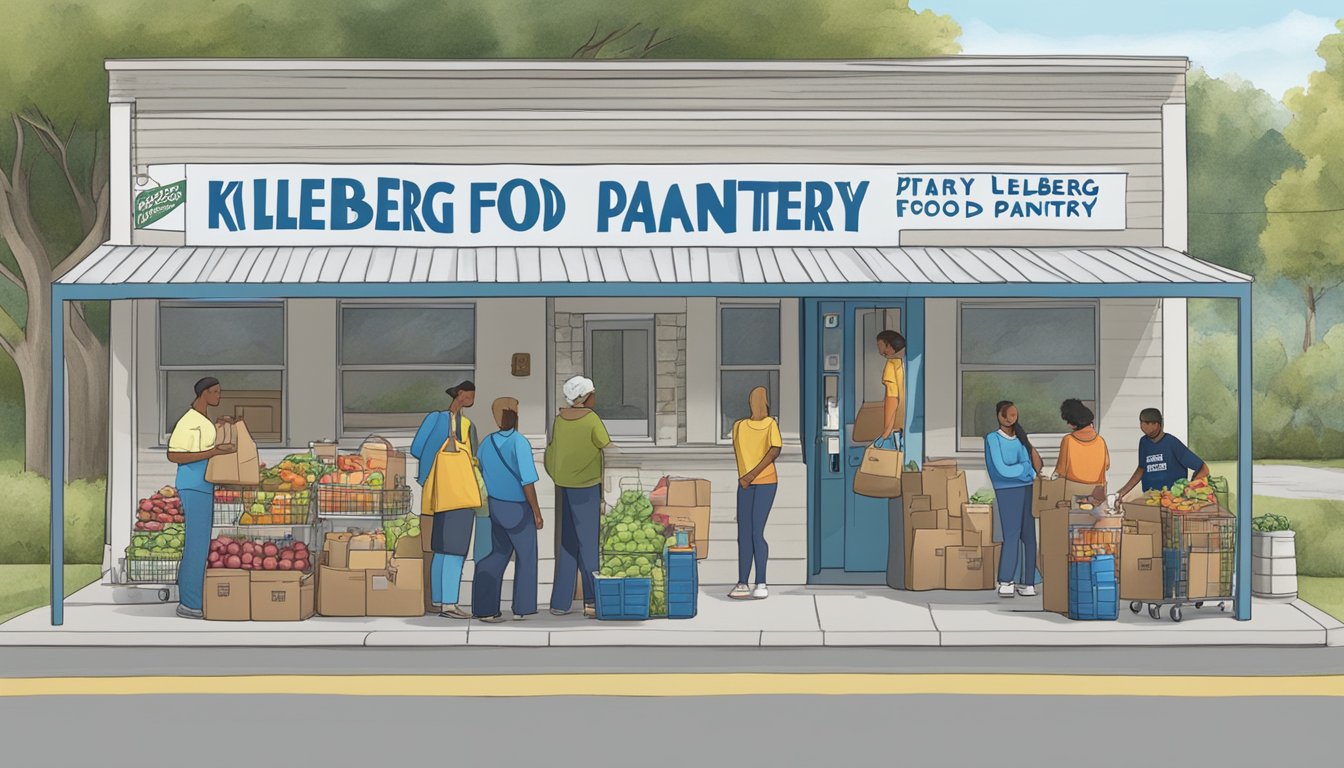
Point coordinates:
[(919, 503), (697, 518), (426, 532), (1140, 566), (1048, 494), (912, 484), (340, 591), (965, 568), (242, 467), (977, 525), (228, 594), (868, 422), (687, 492), (957, 493), (367, 559), (325, 450), (336, 550), (398, 590), (1054, 555), (929, 557), (283, 596), (1204, 577)]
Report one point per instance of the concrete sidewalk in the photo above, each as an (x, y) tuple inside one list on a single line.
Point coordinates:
[(101, 615)]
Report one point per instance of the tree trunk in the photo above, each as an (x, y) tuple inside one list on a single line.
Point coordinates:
[(88, 386), (34, 364), (1309, 336)]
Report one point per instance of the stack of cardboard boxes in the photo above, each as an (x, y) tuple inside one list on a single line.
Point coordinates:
[(948, 540), (234, 594), (359, 577), (685, 500), (1141, 553)]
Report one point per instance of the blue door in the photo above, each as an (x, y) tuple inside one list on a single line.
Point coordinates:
[(849, 535)]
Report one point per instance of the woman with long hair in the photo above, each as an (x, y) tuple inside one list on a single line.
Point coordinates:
[(756, 443), (1013, 465), (445, 447)]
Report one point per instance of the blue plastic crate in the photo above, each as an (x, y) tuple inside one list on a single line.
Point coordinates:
[(623, 598), (683, 585), (1093, 594), (1103, 569)]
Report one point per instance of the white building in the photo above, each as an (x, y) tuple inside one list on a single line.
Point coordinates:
[(1069, 281)]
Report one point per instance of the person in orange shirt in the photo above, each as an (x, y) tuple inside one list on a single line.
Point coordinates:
[(1083, 456)]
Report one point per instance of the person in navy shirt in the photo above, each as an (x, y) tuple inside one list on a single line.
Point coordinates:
[(1163, 458), (510, 474)]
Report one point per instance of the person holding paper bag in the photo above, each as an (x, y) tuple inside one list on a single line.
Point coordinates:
[(891, 345), (191, 446), (1013, 465), (445, 447)]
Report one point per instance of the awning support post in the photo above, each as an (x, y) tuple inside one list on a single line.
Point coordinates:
[(57, 449), (1245, 481)]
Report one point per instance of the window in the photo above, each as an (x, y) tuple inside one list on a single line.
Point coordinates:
[(396, 360), (749, 357), (242, 345), (620, 360), (1034, 354)]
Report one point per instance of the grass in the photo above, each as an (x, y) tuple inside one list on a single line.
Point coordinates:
[(1324, 593), (25, 587)]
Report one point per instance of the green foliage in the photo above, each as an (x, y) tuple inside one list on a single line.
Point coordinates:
[(1236, 150), (1320, 535), (27, 518)]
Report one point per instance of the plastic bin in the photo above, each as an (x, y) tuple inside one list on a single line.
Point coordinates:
[(623, 598), (683, 585), (1093, 590)]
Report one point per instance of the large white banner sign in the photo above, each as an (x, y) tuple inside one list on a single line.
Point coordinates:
[(634, 205)]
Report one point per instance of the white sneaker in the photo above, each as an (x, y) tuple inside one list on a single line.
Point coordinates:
[(760, 592), (1005, 589), (1026, 590), (740, 592)]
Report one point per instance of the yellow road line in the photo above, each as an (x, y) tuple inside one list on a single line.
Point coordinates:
[(654, 685)]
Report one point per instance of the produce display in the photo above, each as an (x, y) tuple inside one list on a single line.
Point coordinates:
[(1087, 543), (356, 486), (1270, 523), (242, 552), (164, 544), (1182, 496), (275, 507), (401, 526), (982, 496), (353, 469), (295, 472), (161, 509), (633, 538)]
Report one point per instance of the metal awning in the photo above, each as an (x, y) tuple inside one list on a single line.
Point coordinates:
[(178, 265)]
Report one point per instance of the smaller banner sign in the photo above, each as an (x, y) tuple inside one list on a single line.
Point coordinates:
[(153, 204)]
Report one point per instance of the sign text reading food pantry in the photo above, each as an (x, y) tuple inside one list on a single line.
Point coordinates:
[(651, 205)]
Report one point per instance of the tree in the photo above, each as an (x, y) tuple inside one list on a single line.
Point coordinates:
[(54, 192), (1304, 239)]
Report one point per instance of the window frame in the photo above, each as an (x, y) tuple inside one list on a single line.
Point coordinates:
[(342, 367), (976, 443), (619, 322), (161, 370), (719, 367)]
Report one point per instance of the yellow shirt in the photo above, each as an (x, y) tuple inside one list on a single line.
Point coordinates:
[(893, 377), (194, 433), (751, 441)]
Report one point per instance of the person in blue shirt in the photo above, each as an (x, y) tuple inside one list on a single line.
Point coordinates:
[(1163, 458), (1013, 465), (515, 517)]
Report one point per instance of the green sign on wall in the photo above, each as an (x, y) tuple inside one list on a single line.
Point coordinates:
[(153, 204)]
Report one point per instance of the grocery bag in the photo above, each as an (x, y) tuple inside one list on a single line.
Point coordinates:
[(879, 475), (869, 421), (242, 467)]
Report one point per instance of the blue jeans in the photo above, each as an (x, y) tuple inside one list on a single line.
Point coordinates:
[(753, 508), (511, 530), (198, 507), (445, 578), (579, 509), (1019, 533)]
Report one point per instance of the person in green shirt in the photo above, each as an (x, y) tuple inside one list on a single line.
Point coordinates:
[(573, 459)]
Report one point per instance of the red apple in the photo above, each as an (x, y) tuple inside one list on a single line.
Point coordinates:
[(233, 561)]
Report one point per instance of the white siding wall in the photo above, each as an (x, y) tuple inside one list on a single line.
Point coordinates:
[(1130, 380)]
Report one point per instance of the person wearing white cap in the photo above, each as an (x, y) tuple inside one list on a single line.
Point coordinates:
[(574, 462)]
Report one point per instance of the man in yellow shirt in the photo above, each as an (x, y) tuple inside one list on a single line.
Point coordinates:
[(891, 345)]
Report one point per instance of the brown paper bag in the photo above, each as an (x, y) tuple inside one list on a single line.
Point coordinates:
[(868, 422), (242, 467), (879, 476)]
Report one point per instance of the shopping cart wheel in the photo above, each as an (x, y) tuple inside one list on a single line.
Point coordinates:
[(1222, 607), (1154, 611), (1135, 606), (164, 594), (1176, 613), (1199, 604)]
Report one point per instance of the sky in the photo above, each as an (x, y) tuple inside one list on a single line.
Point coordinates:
[(1271, 43)]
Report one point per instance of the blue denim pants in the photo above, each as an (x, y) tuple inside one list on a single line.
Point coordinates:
[(1019, 534), (512, 530), (579, 510), (753, 509), (198, 507)]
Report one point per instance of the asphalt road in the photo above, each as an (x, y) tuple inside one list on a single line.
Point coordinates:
[(1286, 481), (1002, 731), (93, 662)]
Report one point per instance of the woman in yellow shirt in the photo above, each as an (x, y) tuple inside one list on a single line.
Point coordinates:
[(756, 443), (1083, 456), (891, 345)]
